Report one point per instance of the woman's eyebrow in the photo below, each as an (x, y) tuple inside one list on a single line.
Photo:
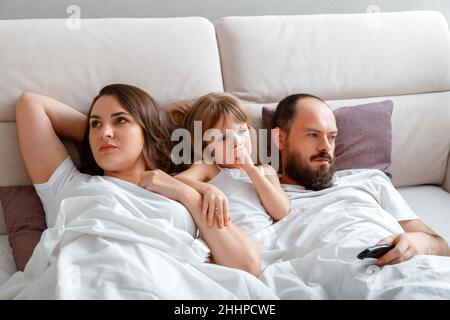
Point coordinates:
[(115, 114)]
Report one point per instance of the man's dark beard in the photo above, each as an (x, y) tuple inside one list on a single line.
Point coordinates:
[(301, 172)]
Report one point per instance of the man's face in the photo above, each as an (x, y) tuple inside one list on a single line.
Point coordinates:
[(308, 151)]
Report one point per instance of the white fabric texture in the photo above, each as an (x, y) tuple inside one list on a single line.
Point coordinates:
[(244, 204), (338, 56), (377, 190), (102, 249), (111, 239), (311, 254), (68, 182), (7, 264)]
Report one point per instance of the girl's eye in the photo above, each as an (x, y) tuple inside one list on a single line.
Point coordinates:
[(243, 130), (121, 120), (95, 124)]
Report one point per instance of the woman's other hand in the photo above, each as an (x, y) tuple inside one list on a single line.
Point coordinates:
[(215, 205), (160, 182)]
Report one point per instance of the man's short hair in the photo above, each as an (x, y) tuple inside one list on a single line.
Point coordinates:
[(287, 109)]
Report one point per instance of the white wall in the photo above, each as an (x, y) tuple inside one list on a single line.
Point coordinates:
[(212, 9)]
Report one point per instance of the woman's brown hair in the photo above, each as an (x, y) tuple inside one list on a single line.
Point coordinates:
[(148, 115)]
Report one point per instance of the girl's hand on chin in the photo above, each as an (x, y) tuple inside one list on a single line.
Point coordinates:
[(243, 158)]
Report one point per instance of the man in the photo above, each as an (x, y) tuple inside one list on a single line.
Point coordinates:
[(305, 131), (312, 252)]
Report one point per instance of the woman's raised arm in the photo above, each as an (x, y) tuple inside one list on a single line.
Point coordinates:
[(40, 120)]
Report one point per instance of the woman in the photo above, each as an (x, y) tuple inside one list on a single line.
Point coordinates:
[(125, 139)]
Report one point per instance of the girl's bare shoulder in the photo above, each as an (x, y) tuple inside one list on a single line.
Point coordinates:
[(208, 170), (268, 170)]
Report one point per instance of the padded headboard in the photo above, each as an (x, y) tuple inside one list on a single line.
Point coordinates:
[(338, 56)]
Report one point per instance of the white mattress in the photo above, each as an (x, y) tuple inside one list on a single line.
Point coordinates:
[(7, 265)]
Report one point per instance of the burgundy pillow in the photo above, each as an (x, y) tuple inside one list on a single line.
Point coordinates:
[(24, 219), (364, 140)]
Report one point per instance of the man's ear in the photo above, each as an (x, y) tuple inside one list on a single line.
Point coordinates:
[(279, 137)]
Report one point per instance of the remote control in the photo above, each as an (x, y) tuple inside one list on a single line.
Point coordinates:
[(375, 251)]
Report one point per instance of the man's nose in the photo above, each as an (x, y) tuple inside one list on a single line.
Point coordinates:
[(324, 144)]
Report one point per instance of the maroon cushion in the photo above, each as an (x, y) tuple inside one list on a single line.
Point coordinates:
[(24, 219), (364, 140)]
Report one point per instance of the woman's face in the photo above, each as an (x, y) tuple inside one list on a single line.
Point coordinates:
[(233, 136), (115, 138)]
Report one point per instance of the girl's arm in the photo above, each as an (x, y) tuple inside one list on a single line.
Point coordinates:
[(196, 176), (215, 203), (230, 246), (40, 120), (269, 190)]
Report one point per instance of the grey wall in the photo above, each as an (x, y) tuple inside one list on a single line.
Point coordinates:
[(212, 9)]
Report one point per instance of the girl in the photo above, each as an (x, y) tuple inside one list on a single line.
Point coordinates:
[(231, 183)]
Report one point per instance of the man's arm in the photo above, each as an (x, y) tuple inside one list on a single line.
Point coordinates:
[(417, 239), (438, 246)]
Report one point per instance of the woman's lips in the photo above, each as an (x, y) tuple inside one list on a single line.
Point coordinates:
[(107, 148)]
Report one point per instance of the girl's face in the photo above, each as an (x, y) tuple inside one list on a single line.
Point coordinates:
[(115, 138), (233, 140)]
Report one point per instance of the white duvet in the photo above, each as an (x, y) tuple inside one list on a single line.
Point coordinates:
[(107, 251), (104, 251)]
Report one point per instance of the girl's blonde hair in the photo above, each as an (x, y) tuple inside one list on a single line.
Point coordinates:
[(209, 109)]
